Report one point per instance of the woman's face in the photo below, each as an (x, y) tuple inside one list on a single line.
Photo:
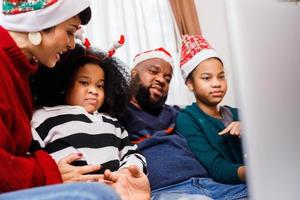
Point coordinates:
[(57, 40)]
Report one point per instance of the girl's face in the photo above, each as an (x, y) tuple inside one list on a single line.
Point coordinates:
[(57, 40), (87, 89), (208, 82)]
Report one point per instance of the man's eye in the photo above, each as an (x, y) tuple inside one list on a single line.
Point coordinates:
[(168, 80), (222, 77)]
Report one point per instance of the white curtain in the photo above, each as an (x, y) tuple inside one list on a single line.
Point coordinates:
[(146, 25)]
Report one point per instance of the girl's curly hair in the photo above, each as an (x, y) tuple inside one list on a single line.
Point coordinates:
[(49, 85)]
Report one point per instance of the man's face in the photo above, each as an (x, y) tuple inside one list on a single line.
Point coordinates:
[(150, 83)]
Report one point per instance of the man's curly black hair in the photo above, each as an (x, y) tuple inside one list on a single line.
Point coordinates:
[(49, 85)]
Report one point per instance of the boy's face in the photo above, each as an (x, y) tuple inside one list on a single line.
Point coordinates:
[(208, 82), (88, 88)]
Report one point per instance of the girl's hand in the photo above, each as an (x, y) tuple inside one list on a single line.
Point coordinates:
[(233, 129), (70, 173)]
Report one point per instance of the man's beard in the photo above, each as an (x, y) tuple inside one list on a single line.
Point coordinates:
[(143, 97)]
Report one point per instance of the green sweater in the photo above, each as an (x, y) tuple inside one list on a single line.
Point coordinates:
[(220, 155)]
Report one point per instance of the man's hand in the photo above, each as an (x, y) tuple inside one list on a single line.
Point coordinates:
[(130, 183), (234, 128), (71, 173)]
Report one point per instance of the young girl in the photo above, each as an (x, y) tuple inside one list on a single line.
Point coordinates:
[(77, 113), (212, 131)]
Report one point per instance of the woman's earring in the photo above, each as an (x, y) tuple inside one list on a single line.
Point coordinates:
[(35, 38)]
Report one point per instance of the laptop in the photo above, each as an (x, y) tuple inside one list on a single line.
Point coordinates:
[(264, 38)]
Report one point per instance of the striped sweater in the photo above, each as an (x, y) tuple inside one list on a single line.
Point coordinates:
[(62, 130)]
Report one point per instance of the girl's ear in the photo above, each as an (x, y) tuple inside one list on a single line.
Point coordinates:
[(190, 85)]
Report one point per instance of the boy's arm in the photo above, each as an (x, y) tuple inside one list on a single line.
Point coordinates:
[(219, 169)]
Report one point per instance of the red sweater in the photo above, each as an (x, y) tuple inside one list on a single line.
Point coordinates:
[(19, 169)]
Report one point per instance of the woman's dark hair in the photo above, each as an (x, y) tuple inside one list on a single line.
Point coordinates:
[(85, 16), (49, 85)]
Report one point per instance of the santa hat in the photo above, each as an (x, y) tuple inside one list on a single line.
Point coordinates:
[(155, 53), (36, 15), (194, 50)]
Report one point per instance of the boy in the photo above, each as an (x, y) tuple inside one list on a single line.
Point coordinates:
[(212, 131)]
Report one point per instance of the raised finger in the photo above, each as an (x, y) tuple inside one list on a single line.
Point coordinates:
[(225, 131)]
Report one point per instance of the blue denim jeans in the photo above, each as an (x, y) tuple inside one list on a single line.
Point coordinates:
[(71, 191), (201, 189)]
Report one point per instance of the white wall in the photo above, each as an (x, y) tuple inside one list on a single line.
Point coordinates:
[(211, 15)]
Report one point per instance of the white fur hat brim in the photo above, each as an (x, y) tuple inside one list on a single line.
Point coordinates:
[(189, 66), (33, 21), (153, 54)]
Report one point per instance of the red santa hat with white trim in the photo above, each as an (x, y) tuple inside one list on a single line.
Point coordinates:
[(37, 15), (194, 50), (155, 53)]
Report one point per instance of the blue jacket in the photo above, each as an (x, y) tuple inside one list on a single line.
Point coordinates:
[(169, 160)]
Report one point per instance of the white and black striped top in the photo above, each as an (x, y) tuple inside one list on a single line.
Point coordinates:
[(62, 130)]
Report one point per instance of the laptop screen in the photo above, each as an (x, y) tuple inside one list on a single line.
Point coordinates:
[(265, 51)]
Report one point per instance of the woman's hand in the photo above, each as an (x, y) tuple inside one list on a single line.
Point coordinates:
[(70, 173), (234, 128), (130, 183)]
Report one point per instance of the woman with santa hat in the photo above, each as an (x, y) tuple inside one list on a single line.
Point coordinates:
[(36, 31)]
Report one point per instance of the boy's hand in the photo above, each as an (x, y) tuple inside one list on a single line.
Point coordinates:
[(242, 173), (233, 128), (70, 173), (130, 183)]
